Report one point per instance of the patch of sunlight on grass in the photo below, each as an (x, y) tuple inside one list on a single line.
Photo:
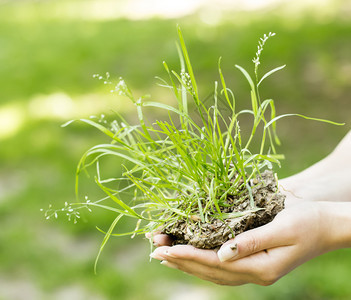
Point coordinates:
[(11, 120), (165, 9), (60, 107)]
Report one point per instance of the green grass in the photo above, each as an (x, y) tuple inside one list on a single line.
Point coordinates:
[(42, 54), (181, 169)]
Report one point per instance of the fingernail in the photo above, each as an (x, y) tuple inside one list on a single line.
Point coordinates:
[(156, 256), (227, 252), (168, 264)]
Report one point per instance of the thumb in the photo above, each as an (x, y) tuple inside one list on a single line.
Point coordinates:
[(252, 241)]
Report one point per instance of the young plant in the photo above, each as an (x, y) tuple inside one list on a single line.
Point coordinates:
[(181, 172)]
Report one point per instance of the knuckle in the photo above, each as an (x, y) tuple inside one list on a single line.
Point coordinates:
[(267, 278), (252, 245), (271, 281), (219, 282), (267, 283)]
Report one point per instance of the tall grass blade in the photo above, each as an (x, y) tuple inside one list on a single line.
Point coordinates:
[(302, 116), (106, 238), (270, 73)]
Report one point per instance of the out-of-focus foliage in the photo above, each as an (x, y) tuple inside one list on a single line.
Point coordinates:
[(49, 51)]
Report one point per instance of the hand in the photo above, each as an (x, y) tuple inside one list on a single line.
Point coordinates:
[(261, 255), (307, 227)]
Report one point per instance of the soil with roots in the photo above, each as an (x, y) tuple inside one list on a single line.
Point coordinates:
[(211, 235)]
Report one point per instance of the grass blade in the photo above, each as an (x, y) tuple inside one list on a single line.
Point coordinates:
[(106, 238), (270, 73), (302, 116)]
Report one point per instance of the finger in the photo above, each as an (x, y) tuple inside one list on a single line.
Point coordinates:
[(271, 235), (263, 268), (186, 252), (208, 273), (191, 253), (159, 253), (267, 267), (188, 255), (201, 256), (150, 235), (162, 240), (159, 239), (206, 265)]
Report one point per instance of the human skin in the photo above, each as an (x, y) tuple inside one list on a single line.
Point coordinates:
[(316, 220)]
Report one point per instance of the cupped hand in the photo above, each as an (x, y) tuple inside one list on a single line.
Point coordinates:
[(307, 227), (261, 255)]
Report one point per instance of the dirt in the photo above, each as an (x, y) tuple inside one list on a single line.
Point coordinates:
[(211, 235)]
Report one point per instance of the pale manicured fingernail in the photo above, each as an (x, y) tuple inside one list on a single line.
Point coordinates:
[(227, 252), (168, 264), (156, 256)]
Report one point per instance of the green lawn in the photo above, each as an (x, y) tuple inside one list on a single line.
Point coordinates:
[(47, 60)]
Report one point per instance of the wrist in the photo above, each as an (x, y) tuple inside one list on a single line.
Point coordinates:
[(323, 181), (336, 220)]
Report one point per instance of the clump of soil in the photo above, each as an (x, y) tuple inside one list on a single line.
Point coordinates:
[(211, 235)]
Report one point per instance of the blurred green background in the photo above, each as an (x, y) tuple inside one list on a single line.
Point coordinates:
[(49, 51)]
